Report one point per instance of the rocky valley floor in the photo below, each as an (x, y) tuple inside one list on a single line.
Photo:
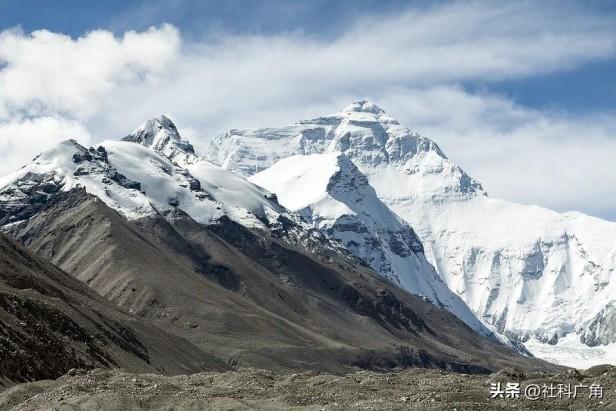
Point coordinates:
[(250, 389)]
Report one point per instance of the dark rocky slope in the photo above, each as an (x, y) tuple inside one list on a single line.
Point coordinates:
[(50, 323), (251, 297)]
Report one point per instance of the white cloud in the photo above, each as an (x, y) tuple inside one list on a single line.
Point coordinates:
[(269, 80), (21, 140), (50, 72), (409, 63)]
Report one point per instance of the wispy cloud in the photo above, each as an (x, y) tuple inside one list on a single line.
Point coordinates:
[(413, 64), (553, 159), (22, 139)]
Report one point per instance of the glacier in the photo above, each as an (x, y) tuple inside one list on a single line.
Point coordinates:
[(535, 274)]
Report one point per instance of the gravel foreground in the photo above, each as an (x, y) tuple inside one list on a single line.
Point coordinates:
[(250, 389)]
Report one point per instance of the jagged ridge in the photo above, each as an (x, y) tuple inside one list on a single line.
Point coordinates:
[(332, 194)]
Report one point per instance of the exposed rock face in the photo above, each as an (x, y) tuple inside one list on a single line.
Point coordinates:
[(252, 297), (26, 196), (601, 330), (50, 323), (161, 135)]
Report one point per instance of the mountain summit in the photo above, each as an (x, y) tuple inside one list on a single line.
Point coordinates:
[(161, 135), (535, 274), (364, 106), (375, 142)]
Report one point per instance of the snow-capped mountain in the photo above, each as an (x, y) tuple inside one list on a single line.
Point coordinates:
[(152, 171), (331, 193), (529, 271), (160, 231)]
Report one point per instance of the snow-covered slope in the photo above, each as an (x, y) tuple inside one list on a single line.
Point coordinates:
[(332, 194), (153, 171), (243, 201), (69, 165), (128, 177), (528, 270)]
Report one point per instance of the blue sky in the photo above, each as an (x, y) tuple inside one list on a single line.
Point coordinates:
[(196, 18), (521, 94), (590, 86)]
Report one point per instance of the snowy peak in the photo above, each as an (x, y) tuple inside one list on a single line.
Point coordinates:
[(330, 184), (349, 186), (366, 111), (333, 195), (504, 260), (363, 106), (366, 134), (155, 133), (153, 173), (161, 135), (328, 189), (66, 166)]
